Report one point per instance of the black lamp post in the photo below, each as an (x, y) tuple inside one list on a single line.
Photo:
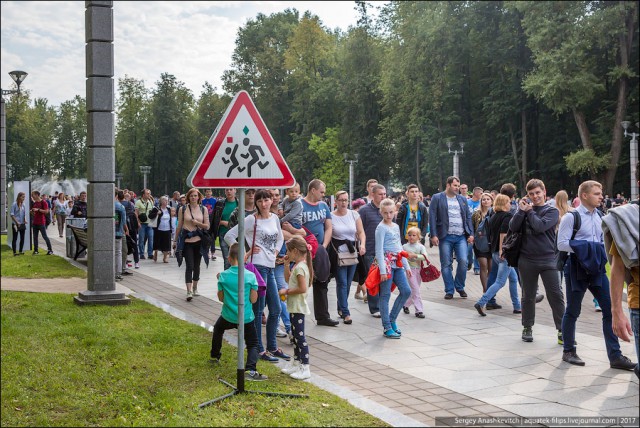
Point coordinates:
[(18, 77)]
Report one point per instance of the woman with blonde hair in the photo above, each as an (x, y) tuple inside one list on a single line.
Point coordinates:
[(562, 204), (498, 227), (483, 255), (192, 220)]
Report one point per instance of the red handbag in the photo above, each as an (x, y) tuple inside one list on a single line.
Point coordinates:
[(429, 272)]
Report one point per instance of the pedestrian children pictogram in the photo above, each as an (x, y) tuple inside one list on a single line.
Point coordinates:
[(241, 152)]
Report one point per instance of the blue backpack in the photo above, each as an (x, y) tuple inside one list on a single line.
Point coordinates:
[(481, 236)]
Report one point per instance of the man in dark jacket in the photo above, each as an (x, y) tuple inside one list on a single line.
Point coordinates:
[(413, 212), (451, 229)]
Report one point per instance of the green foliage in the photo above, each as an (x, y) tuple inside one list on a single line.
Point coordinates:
[(135, 365), (332, 170), (586, 161)]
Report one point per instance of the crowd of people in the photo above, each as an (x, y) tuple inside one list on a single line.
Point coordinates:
[(298, 243)]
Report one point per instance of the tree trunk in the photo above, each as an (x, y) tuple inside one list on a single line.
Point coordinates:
[(523, 170), (583, 129), (626, 42), (514, 149)]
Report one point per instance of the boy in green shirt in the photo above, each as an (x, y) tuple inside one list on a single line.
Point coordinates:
[(228, 295)]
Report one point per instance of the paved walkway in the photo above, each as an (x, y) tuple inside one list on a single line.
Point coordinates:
[(453, 363)]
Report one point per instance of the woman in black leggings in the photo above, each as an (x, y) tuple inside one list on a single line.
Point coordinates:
[(192, 218)]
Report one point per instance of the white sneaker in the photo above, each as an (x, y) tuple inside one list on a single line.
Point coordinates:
[(195, 291), (291, 367), (302, 373), (281, 333), (189, 296), (137, 265)]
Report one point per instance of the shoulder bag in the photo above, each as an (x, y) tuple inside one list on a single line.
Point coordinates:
[(262, 286), (143, 216), (346, 258), (512, 243)]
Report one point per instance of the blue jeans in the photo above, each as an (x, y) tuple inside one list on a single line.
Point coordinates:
[(284, 314), (448, 245), (372, 301), (504, 272), (145, 231), (224, 247), (634, 317), (344, 276), (43, 230), (272, 300), (572, 312), (399, 278)]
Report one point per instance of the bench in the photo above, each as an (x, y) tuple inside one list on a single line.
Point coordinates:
[(80, 235)]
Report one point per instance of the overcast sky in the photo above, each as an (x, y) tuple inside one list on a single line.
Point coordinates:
[(193, 41)]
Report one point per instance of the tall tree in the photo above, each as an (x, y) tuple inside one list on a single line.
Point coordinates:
[(69, 151), (310, 60), (359, 99), (132, 148), (171, 133), (579, 49), (258, 66)]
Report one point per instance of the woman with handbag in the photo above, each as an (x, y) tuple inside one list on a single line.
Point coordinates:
[(263, 235), (162, 231), (498, 227), (480, 247), (192, 220), (347, 242), (19, 218)]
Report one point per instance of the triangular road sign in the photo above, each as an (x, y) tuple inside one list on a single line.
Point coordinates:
[(241, 152)]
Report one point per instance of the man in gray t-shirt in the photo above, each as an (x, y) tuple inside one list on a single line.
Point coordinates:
[(451, 230)]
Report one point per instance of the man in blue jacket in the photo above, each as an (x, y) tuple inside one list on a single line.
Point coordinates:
[(451, 229), (586, 271)]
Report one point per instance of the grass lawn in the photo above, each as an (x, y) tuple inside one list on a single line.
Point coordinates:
[(69, 365), (40, 266)]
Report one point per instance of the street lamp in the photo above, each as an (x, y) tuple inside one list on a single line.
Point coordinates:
[(633, 156), (18, 77), (119, 176), (145, 169), (456, 157), (350, 162)]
